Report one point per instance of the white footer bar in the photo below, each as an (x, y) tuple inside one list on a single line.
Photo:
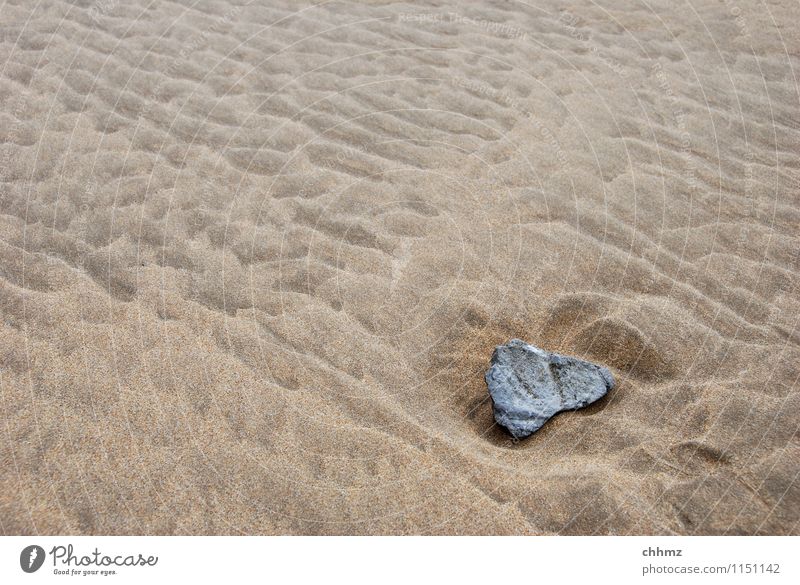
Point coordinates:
[(376, 560)]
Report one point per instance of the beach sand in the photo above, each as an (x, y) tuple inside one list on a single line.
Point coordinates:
[(254, 261)]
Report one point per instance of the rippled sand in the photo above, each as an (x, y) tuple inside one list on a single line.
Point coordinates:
[(254, 261)]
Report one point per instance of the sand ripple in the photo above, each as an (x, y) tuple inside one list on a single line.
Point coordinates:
[(254, 261)]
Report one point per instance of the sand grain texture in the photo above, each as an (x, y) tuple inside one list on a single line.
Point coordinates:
[(254, 261)]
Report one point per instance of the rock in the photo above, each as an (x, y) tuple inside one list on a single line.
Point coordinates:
[(528, 385)]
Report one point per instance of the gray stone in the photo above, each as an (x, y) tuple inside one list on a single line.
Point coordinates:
[(528, 385)]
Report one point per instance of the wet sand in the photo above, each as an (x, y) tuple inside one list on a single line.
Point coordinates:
[(254, 262)]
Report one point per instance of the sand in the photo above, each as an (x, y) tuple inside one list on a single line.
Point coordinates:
[(254, 261)]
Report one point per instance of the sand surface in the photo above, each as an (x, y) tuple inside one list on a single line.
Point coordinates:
[(254, 261)]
